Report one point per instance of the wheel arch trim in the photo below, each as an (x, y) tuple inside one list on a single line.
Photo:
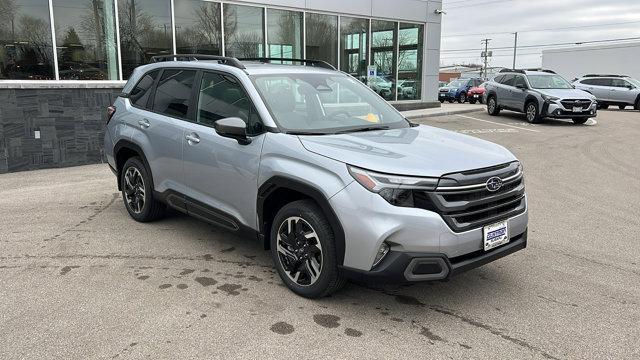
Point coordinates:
[(127, 144), (280, 182)]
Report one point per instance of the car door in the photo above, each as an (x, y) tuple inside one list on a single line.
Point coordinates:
[(518, 95), (222, 174), (621, 91), (602, 88), (161, 130), (504, 91)]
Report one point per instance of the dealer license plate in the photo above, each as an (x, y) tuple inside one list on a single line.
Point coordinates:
[(577, 109), (496, 235)]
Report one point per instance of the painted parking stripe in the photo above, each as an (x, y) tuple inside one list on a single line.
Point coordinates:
[(497, 123)]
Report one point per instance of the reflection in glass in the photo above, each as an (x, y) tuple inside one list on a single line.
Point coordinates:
[(354, 46), (243, 31), (383, 57), (145, 31), (322, 37), (198, 27), (284, 34), (410, 40), (86, 39), (25, 40)]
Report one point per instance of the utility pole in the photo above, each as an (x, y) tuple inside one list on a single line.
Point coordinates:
[(486, 55), (515, 49)]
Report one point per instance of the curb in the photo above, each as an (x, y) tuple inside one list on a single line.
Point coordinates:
[(444, 113)]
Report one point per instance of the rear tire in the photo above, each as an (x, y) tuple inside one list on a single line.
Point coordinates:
[(492, 106), (462, 98), (579, 121), (304, 251), (604, 106), (532, 112), (622, 107), (137, 192), (637, 106)]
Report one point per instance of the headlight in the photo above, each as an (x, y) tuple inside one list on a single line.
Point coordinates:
[(396, 189), (549, 99)]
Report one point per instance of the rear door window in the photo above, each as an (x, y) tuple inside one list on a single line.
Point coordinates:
[(173, 93), (140, 94), (621, 83), (507, 80), (519, 80)]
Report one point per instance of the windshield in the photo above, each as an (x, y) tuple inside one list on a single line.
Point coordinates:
[(548, 82), (635, 82), (312, 103), (457, 83)]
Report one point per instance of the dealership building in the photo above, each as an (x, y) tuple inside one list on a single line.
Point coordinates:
[(62, 62)]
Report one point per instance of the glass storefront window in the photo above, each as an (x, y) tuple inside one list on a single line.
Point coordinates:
[(410, 40), (383, 58), (86, 39), (243, 31), (322, 37), (145, 31), (26, 47), (284, 34), (198, 27), (354, 46)]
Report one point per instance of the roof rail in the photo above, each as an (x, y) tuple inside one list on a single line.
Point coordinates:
[(605, 75), (541, 70), (225, 60), (307, 62), (512, 71)]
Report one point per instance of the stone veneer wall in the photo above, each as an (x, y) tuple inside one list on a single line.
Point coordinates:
[(70, 119)]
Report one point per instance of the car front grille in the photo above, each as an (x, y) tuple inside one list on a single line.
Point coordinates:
[(570, 104), (465, 203)]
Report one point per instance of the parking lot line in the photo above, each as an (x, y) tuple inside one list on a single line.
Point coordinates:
[(497, 123)]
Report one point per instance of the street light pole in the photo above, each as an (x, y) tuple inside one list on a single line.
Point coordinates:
[(486, 55), (515, 49)]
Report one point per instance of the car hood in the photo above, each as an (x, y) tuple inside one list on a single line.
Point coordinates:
[(477, 90), (566, 93), (417, 151)]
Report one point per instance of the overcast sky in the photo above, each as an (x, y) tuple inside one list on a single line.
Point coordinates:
[(467, 22)]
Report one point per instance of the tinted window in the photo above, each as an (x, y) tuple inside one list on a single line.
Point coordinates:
[(507, 80), (198, 27), (173, 92), (384, 39), (619, 83), (410, 41), (354, 43), (139, 96), (520, 81), (603, 82), (498, 79), (589, 82), (322, 37), (243, 30), (222, 97), (284, 33)]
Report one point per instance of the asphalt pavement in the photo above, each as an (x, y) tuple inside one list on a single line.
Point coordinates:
[(79, 279)]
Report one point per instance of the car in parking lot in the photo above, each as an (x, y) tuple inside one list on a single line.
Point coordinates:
[(540, 94), (407, 90), (476, 94), (457, 90), (335, 188), (611, 90)]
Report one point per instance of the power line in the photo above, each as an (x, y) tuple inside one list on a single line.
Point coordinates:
[(546, 45), (547, 29)]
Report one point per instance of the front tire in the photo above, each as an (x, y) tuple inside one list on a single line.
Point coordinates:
[(137, 192), (303, 250), (462, 98), (492, 106), (637, 106), (622, 107), (532, 112)]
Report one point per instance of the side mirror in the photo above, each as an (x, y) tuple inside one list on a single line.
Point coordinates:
[(234, 128), (521, 86)]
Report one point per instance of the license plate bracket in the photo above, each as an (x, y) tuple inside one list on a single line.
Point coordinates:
[(495, 235)]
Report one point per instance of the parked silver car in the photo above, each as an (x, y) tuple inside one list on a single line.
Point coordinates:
[(540, 94), (611, 90), (317, 167)]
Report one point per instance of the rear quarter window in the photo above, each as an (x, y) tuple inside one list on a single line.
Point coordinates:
[(140, 94)]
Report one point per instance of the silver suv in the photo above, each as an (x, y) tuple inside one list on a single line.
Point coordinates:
[(614, 90), (539, 94), (316, 166)]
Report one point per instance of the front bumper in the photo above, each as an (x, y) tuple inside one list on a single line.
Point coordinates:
[(407, 267), (446, 96), (557, 111)]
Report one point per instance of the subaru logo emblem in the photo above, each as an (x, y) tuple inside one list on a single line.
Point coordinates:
[(494, 184)]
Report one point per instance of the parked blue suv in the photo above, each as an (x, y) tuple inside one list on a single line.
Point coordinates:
[(457, 90)]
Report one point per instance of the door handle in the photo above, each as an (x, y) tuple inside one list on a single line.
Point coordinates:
[(144, 123), (193, 138)]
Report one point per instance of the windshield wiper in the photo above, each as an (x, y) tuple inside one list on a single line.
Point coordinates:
[(361, 129), (306, 133)]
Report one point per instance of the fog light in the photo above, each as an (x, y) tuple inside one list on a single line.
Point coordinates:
[(382, 252)]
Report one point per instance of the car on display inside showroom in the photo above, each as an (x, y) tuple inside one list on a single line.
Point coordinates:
[(457, 90), (540, 94), (476, 94), (336, 189), (611, 90)]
